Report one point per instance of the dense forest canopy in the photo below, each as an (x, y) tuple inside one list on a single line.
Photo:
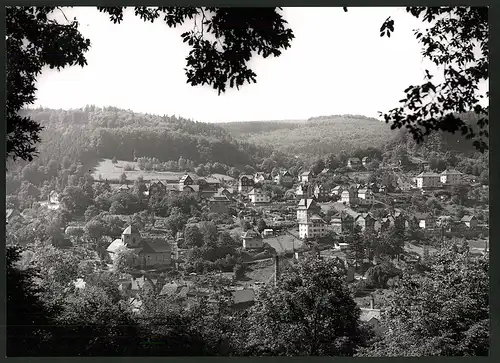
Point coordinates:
[(322, 135), (90, 133)]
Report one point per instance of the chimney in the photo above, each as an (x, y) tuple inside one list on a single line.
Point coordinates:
[(372, 302), (276, 270)]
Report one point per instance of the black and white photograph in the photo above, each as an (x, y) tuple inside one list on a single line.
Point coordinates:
[(247, 181)]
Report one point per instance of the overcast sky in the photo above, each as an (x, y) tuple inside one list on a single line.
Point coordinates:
[(337, 64)]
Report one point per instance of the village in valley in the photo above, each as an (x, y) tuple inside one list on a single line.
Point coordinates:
[(248, 229), (180, 183)]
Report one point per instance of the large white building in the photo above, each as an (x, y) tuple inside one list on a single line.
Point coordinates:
[(451, 177), (257, 196), (428, 180), (312, 227), (310, 224)]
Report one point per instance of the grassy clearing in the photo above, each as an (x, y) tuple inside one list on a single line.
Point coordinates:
[(107, 170)]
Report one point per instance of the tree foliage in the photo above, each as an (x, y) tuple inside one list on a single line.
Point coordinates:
[(444, 311), (311, 312), (34, 41), (456, 40)]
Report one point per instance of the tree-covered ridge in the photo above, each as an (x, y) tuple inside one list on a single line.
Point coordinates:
[(93, 132), (242, 128), (316, 137)]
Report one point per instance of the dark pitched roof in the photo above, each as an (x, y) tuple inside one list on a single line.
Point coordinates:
[(306, 204), (250, 234), (156, 246), (184, 178)]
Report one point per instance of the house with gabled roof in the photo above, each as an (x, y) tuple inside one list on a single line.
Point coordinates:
[(186, 180), (365, 196), (337, 190), (242, 299), (312, 227), (263, 178), (158, 189), (252, 239), (245, 183), (303, 191), (219, 204), (373, 317), (353, 162), (428, 179), (365, 221), (470, 221), (349, 196), (306, 177), (257, 196), (321, 193), (284, 178), (425, 220), (451, 177), (306, 208)]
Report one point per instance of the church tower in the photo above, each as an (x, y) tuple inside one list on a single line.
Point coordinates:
[(131, 237)]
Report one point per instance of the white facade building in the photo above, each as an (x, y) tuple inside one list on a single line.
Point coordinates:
[(256, 196), (313, 227), (451, 177), (428, 180)]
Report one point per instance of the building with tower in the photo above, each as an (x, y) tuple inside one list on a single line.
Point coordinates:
[(149, 251)]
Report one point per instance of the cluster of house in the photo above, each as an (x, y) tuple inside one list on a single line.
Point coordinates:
[(205, 187), (356, 162), (354, 195), (429, 180)]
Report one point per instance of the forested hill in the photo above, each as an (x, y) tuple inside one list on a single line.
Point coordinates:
[(93, 132), (317, 136)]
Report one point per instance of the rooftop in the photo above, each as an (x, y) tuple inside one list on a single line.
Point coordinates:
[(131, 230)]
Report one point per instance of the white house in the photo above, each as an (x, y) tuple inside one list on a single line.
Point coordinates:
[(312, 227), (245, 183), (428, 180), (425, 221), (349, 196), (305, 177), (320, 192), (365, 196), (252, 239), (257, 196), (284, 178), (451, 177), (263, 178)]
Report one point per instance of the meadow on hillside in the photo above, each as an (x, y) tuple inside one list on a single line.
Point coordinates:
[(105, 169)]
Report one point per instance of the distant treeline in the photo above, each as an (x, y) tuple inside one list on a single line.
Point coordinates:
[(93, 132)]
